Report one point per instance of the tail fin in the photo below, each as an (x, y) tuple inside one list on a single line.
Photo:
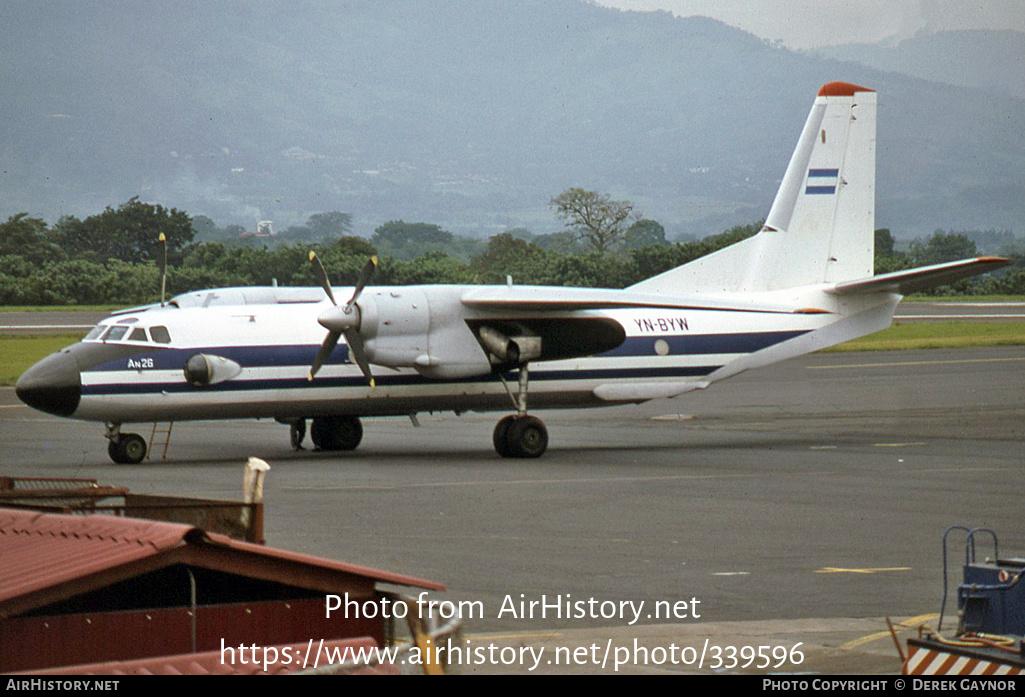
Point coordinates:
[(821, 227)]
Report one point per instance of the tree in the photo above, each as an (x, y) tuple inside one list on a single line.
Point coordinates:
[(645, 233), (409, 240), (884, 242), (129, 233), (594, 217), (330, 225), (887, 258), (27, 238), (508, 255), (205, 228), (942, 247)]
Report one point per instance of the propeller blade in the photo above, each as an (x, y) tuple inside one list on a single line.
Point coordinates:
[(364, 278), (330, 341), (318, 268), (355, 342)]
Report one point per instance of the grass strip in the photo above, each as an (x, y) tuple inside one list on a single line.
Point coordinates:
[(926, 335), (18, 353)]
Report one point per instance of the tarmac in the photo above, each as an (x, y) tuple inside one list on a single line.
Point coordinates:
[(799, 506)]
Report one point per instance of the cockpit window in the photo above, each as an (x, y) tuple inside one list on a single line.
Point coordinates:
[(115, 333), (160, 335), (138, 334), (95, 332)]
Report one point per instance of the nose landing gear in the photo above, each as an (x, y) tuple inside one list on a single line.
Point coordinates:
[(125, 448)]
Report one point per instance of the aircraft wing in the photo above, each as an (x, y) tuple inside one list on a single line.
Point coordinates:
[(544, 299), (922, 278)]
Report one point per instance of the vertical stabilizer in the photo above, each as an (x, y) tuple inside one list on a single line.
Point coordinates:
[(821, 227)]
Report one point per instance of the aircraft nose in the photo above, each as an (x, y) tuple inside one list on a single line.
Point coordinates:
[(52, 385)]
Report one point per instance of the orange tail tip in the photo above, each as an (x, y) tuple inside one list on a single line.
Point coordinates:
[(841, 89)]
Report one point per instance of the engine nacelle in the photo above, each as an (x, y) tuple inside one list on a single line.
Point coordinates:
[(515, 349), (420, 328), (202, 370), (394, 324)]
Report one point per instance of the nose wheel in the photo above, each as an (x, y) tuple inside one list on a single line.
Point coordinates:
[(520, 435), (125, 448)]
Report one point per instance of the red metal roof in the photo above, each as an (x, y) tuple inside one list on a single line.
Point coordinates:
[(210, 662), (42, 550), (285, 555)]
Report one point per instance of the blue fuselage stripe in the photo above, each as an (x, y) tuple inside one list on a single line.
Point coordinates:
[(702, 344), (394, 380), (303, 356)]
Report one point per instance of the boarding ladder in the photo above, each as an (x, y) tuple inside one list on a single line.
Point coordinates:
[(159, 436)]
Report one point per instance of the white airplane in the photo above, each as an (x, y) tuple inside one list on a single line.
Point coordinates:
[(803, 283)]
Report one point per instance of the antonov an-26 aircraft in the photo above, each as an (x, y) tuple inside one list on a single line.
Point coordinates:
[(803, 283)]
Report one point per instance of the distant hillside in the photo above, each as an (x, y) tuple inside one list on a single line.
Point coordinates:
[(470, 114), (990, 60)]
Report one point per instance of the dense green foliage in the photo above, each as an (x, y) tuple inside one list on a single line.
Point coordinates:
[(111, 257)]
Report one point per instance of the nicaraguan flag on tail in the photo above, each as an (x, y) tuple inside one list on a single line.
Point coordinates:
[(822, 181)]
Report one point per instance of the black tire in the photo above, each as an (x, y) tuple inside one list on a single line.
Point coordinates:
[(296, 433), (527, 437), (115, 453), (501, 436), (128, 449), (336, 432)]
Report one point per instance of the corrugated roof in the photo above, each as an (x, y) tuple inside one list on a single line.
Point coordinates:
[(210, 662), (44, 550), (285, 555), (41, 550)]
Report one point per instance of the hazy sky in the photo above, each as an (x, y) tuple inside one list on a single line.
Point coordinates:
[(811, 23)]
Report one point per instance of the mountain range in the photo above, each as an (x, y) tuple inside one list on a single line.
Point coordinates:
[(470, 114)]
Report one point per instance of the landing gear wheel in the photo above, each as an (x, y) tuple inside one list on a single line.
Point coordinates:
[(521, 436), (127, 449), (336, 432), (296, 433), (500, 437)]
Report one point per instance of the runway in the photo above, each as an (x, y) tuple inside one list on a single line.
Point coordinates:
[(818, 489)]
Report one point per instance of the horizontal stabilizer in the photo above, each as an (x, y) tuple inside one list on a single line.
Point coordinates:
[(922, 278)]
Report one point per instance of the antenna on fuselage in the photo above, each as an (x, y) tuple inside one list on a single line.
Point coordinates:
[(163, 268)]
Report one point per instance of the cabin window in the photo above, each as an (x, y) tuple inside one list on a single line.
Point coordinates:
[(160, 335), (138, 334), (115, 334), (95, 332)]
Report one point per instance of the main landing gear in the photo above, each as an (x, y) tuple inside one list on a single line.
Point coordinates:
[(520, 435), (328, 432), (125, 448)]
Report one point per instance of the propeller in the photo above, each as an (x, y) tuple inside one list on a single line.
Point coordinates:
[(345, 320)]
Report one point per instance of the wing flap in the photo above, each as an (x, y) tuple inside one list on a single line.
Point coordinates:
[(922, 278)]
